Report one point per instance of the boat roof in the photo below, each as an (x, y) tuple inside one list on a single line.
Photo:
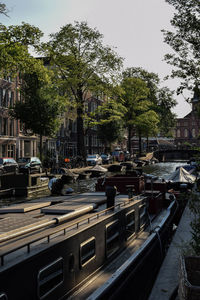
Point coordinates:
[(26, 223)]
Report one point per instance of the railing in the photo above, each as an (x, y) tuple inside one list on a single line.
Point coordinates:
[(74, 225)]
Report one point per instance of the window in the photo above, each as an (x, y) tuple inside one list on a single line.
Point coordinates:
[(4, 150), (87, 251), (12, 99), (86, 140), (11, 127), (21, 126), (50, 277), (5, 126), (1, 97), (143, 216), (94, 138), (93, 106), (178, 133), (11, 150), (71, 262), (112, 238), (86, 107), (185, 132), (1, 127), (100, 142), (4, 98), (130, 224), (74, 126), (193, 133)]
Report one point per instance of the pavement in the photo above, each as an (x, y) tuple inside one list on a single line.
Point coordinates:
[(168, 278)]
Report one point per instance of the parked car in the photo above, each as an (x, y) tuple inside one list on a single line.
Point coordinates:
[(8, 165), (29, 165), (106, 158), (94, 159)]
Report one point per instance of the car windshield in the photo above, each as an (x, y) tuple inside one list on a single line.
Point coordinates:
[(92, 156), (23, 160), (104, 155)]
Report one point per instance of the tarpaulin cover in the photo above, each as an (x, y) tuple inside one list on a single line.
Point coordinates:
[(181, 175)]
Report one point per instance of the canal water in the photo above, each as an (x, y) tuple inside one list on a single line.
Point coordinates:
[(162, 170)]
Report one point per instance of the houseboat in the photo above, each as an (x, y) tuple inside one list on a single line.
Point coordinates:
[(81, 247)]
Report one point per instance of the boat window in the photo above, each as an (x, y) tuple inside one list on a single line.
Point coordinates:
[(112, 238), (87, 251), (130, 224), (143, 216), (3, 297), (50, 277), (71, 262)]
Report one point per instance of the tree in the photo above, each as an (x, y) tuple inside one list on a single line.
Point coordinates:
[(161, 98), (165, 102), (135, 99), (42, 106), (14, 48), (151, 79), (109, 120), (147, 125), (3, 9), (185, 42), (82, 64)]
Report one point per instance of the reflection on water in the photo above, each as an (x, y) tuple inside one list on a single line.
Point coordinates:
[(162, 170), (82, 186)]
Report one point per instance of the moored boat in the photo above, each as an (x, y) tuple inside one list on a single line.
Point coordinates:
[(181, 176), (23, 185), (76, 247), (97, 171)]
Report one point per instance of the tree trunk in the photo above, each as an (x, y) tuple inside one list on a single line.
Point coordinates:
[(80, 130), (129, 139), (90, 143), (41, 147), (140, 143)]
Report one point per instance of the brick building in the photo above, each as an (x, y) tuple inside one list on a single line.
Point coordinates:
[(14, 142), (187, 128), (67, 135)]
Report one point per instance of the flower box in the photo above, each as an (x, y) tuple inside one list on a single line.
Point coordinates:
[(189, 283)]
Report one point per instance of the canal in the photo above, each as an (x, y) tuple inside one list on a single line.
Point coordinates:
[(162, 170)]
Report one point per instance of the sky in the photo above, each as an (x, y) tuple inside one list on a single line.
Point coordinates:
[(133, 27)]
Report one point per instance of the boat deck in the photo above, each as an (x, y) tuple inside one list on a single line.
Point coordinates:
[(28, 226)]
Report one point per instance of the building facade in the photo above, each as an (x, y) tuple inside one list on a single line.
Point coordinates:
[(187, 128), (14, 141), (8, 126)]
